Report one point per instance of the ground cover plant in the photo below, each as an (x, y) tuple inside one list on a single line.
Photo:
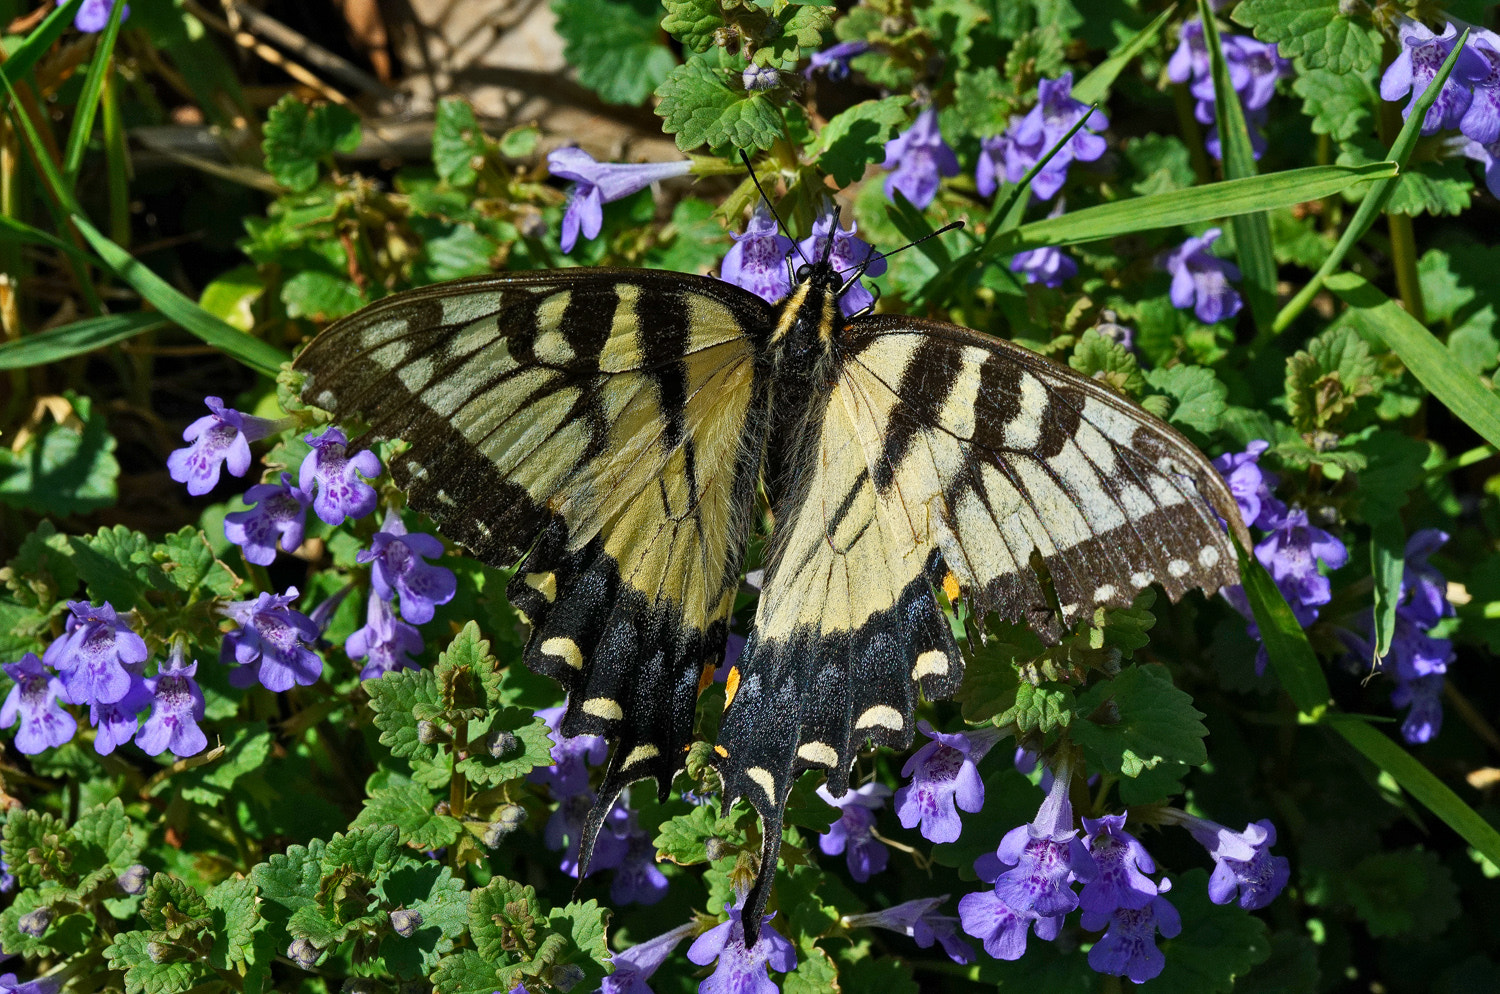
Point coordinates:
[(266, 730)]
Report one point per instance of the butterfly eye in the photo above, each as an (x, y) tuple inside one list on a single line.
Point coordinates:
[(804, 271)]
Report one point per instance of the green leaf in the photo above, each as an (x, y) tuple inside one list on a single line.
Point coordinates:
[(699, 106), (1161, 161), (75, 339), (42, 572), (66, 468), (1094, 87), (683, 839), (298, 137), (170, 903), (1137, 722), (815, 974), (1409, 893), (236, 922), (396, 800), (252, 352), (186, 562), (856, 137), (535, 749), (1286, 643), (982, 100), (693, 22), (466, 972), (1325, 382), (1219, 942), (1185, 207), (107, 563), (128, 954), (1104, 359), (320, 296), (288, 881), (395, 699), (504, 916), (613, 45), (368, 852), (104, 837), (1432, 364), (694, 239), (1200, 398), (1314, 32), (1340, 104), (1436, 188), (430, 889), (34, 847), (585, 925), (457, 141), (212, 783), (1039, 709)]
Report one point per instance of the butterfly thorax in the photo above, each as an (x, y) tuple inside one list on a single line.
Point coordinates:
[(801, 344)]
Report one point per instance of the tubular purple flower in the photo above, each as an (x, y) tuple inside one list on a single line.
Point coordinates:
[(1123, 864), (1488, 157), (920, 920), (1031, 137), (219, 439), (571, 756), (400, 570), (634, 966), (741, 970), (1425, 588), (1047, 266), (757, 259), (835, 59), (386, 643), (994, 152), (1251, 485), (1292, 552), (1002, 930), (848, 253), (852, 834), (92, 17), (33, 700), (1200, 280), (1481, 122), (1424, 697), (919, 158), (280, 511), (272, 644), (96, 656), (176, 709), (598, 183), (341, 492), (9, 984), (1128, 946), (115, 724), (1414, 69), (1189, 62), (1045, 855), (944, 780), (627, 849), (1242, 860)]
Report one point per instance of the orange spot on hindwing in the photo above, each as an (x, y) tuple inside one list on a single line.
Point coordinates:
[(731, 684)]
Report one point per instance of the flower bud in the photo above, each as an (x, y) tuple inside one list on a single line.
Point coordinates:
[(133, 880), (405, 922), (427, 732), (507, 820), (502, 743), (715, 848), (303, 953), (758, 78), (565, 976), (158, 952), (35, 923)]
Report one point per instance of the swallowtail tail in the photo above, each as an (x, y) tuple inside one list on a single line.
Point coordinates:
[(609, 429)]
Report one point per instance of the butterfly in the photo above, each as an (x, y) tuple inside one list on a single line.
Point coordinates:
[(609, 431)]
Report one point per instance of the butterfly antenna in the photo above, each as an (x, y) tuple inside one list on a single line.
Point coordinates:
[(744, 156), (872, 256)]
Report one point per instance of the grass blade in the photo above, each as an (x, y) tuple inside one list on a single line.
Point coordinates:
[(1094, 87), (88, 100), (25, 55), (253, 352), (57, 344)]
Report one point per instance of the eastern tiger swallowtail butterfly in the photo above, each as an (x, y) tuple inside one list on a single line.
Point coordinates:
[(609, 429)]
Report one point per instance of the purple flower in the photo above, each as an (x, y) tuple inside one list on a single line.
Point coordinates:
[(1488, 157), (7, 880), (93, 15), (634, 966), (33, 699), (572, 755), (626, 848), (1201, 280), (1424, 697), (944, 779), (42, 985), (1002, 930), (341, 492), (1255, 122), (1190, 62), (741, 970), (1481, 122), (115, 724), (836, 59), (97, 655), (1425, 589), (1123, 864), (1242, 860), (919, 158), (759, 78), (1045, 855), (1047, 266), (272, 644), (598, 183), (1258, 66), (919, 920), (1028, 139), (220, 438), (1128, 946), (849, 252), (385, 642), (279, 512), (400, 569), (852, 834), (1291, 552), (1414, 69), (176, 709), (1251, 485), (757, 260)]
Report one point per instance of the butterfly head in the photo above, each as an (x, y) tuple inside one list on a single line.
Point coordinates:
[(808, 321)]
